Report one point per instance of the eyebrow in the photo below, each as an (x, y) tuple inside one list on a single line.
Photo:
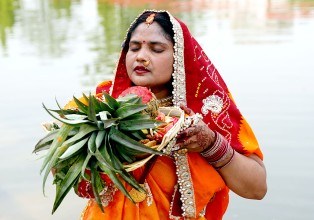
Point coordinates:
[(149, 42)]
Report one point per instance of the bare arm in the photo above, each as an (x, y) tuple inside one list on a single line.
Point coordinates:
[(246, 176)]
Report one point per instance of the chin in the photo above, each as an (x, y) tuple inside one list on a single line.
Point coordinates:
[(140, 83)]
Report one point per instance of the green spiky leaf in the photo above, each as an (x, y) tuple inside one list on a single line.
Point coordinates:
[(139, 124), (112, 103), (81, 106), (128, 110), (123, 139), (68, 182)]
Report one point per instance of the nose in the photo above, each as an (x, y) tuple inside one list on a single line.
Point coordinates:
[(142, 56)]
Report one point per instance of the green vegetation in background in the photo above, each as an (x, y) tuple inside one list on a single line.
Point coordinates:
[(115, 20), (7, 18), (62, 7), (106, 42)]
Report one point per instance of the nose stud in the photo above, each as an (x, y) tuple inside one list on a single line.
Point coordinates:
[(146, 63)]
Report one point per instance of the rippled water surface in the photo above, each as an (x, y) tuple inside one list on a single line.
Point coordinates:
[(58, 48)]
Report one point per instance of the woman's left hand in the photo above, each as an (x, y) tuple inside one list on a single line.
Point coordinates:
[(197, 137)]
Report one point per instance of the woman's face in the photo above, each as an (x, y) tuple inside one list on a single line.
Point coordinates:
[(149, 60)]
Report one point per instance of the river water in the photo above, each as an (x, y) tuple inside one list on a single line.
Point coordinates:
[(58, 48)]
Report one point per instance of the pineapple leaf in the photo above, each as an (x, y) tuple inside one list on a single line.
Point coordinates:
[(53, 161), (47, 140), (61, 109), (57, 142), (139, 124), (96, 104), (65, 164), (85, 97), (128, 142), (124, 174), (104, 115), (99, 138), (123, 155), (67, 112), (51, 164), (127, 151), (137, 116), (65, 121), (97, 185), (112, 103), (127, 98), (139, 135), (85, 164), (68, 182), (73, 149), (75, 116), (102, 160), (81, 106), (107, 120), (110, 122), (50, 161), (116, 181), (132, 100), (92, 143), (84, 130), (128, 110), (91, 110), (105, 107)]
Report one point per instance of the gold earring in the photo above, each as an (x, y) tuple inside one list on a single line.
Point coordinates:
[(146, 63)]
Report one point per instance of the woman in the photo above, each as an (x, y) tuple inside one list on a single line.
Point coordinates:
[(217, 152)]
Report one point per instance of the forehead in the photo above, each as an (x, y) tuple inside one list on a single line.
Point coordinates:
[(152, 33)]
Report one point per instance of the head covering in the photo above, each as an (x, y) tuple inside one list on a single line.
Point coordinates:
[(198, 84)]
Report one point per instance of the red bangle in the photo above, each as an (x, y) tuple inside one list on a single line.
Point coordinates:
[(229, 161), (218, 151)]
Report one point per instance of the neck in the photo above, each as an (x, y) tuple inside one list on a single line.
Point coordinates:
[(161, 94), (167, 101)]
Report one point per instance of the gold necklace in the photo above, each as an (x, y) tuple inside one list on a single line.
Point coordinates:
[(167, 101)]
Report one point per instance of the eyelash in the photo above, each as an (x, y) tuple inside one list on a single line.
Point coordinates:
[(158, 51), (154, 50)]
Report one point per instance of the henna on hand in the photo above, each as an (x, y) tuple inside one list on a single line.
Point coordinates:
[(196, 138)]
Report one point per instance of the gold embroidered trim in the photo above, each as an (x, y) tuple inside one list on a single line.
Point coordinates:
[(179, 97), (185, 185), (178, 75)]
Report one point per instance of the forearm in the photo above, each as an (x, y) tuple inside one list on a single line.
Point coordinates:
[(245, 176)]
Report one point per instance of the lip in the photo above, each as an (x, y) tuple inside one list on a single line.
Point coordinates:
[(141, 70)]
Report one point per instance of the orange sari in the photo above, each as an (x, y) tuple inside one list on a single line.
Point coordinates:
[(188, 178)]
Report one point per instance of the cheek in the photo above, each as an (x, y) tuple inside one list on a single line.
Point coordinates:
[(168, 68), (128, 63)]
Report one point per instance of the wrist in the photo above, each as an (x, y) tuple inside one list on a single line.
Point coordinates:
[(220, 153)]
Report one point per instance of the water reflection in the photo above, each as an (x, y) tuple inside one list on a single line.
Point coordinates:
[(49, 27), (8, 9), (63, 7)]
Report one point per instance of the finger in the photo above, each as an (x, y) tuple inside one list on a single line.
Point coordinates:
[(187, 110), (182, 140), (190, 131)]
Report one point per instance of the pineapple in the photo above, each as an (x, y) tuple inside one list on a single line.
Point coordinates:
[(100, 134)]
